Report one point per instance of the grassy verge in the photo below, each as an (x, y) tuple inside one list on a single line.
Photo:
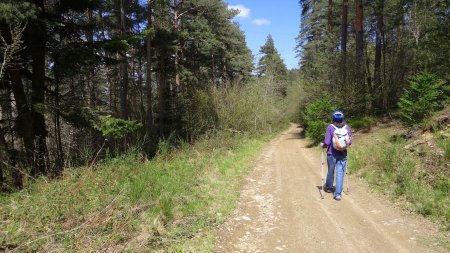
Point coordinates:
[(413, 173), (169, 204)]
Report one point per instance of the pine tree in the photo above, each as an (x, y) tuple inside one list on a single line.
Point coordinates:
[(272, 65), (83, 60)]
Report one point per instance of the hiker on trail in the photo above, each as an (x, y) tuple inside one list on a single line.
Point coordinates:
[(337, 139)]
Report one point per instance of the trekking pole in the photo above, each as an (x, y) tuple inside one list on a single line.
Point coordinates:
[(346, 172), (321, 186)]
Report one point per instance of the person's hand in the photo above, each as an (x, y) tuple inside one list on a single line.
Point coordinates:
[(321, 144)]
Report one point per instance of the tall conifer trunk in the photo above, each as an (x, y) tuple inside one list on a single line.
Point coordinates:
[(92, 82), (176, 26), (36, 44), (331, 46), (359, 39), (161, 95), (24, 121), (124, 80), (362, 86), (330, 16), (378, 53), (344, 40), (149, 114)]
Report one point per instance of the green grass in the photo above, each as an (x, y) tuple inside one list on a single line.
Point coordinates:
[(171, 203), (417, 179), (443, 141)]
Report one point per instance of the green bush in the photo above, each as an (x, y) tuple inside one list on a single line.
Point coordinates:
[(316, 118), (425, 95), (116, 128), (248, 108), (200, 115), (360, 123)]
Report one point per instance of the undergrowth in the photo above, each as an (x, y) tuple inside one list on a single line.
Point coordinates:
[(416, 176), (167, 204), (361, 123)]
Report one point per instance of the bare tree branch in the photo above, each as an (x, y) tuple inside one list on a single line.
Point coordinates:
[(9, 50)]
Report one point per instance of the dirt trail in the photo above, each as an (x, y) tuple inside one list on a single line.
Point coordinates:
[(280, 210)]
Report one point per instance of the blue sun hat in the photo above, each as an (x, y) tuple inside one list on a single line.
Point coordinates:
[(338, 116)]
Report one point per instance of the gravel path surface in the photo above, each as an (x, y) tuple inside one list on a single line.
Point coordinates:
[(280, 210)]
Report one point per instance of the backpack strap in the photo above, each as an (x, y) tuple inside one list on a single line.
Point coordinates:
[(335, 127)]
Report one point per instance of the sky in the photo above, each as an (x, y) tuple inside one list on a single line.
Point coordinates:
[(279, 18)]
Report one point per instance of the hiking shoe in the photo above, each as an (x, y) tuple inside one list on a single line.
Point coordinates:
[(338, 197), (328, 189)]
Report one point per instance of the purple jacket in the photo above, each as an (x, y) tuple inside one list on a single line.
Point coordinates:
[(329, 136)]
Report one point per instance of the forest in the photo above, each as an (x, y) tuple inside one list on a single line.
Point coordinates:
[(120, 108), (81, 77), (367, 56), (130, 70), (366, 51)]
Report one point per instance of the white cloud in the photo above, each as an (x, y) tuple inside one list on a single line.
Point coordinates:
[(261, 21), (244, 12)]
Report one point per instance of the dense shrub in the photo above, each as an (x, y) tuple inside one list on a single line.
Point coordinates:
[(425, 95), (316, 117), (361, 123), (248, 108), (116, 128), (200, 115)]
